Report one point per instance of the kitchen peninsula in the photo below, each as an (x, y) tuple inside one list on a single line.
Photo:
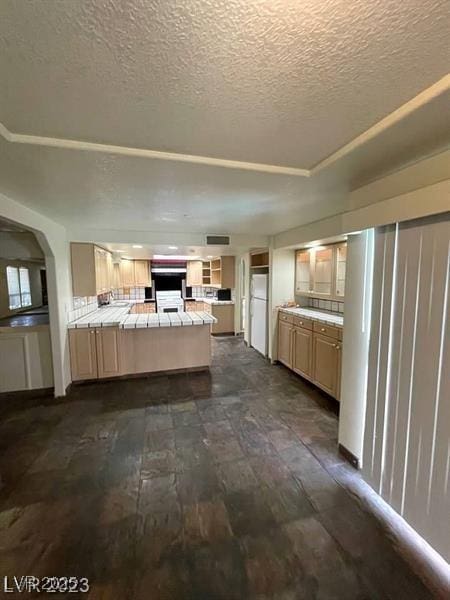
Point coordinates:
[(111, 342)]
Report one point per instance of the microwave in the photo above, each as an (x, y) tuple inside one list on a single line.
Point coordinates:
[(224, 294)]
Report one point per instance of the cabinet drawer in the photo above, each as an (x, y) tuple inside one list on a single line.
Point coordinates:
[(328, 330), (286, 318), (304, 323)]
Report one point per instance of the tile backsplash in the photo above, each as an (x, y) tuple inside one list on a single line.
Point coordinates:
[(137, 294), (331, 305), (82, 306)]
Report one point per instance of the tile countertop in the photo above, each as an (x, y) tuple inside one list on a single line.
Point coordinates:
[(212, 301), (120, 317), (317, 315)]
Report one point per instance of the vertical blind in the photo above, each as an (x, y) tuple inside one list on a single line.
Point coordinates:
[(407, 434)]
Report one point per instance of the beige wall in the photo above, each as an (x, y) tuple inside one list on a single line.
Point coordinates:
[(35, 284)]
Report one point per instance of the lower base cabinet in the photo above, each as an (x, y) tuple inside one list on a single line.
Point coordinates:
[(327, 364), (302, 352), (285, 330), (94, 353), (311, 350), (224, 314)]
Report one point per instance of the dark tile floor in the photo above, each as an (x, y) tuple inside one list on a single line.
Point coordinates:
[(203, 486)]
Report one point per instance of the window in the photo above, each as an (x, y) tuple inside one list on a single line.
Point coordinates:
[(18, 287)]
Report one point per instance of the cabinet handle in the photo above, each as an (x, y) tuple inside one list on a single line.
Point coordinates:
[(322, 329), (301, 322), (338, 347), (91, 332)]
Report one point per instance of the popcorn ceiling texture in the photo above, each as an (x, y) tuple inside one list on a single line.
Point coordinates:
[(272, 81)]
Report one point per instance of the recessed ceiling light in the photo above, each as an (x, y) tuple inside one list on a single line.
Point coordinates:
[(137, 246), (121, 251), (210, 256), (173, 247)]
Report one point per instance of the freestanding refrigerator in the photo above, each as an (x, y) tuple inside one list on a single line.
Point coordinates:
[(258, 313)]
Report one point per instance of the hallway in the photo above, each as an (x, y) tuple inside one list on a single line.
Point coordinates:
[(221, 485)]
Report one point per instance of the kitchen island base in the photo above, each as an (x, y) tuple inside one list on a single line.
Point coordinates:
[(108, 352)]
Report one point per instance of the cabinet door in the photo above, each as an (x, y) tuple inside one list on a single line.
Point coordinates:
[(142, 273), (302, 351), (326, 363), (108, 363), (101, 270), (83, 354), (227, 266), (127, 273), (194, 273), (340, 267), (303, 272), (285, 343), (322, 266)]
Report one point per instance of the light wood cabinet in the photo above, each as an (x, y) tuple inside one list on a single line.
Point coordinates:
[(224, 314), (206, 274), (83, 354), (302, 351), (340, 269), (285, 329), (94, 353), (326, 362), (222, 272), (142, 277), (320, 272), (142, 308), (194, 273), (311, 349), (107, 346), (126, 269), (91, 269), (303, 272)]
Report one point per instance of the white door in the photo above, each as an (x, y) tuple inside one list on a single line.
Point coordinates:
[(259, 325)]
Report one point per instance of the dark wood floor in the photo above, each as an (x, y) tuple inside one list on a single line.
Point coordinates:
[(204, 486)]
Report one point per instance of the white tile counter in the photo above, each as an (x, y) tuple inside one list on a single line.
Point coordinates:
[(213, 301), (120, 317), (317, 315)]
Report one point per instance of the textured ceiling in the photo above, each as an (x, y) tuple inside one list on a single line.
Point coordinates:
[(272, 81), (105, 191)]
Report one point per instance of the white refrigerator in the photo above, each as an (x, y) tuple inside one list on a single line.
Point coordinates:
[(258, 313)]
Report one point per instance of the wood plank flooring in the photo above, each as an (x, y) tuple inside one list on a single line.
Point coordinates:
[(220, 485)]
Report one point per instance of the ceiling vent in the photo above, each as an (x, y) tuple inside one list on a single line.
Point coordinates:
[(217, 240)]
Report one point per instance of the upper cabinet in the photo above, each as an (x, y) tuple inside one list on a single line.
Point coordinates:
[(206, 274), (303, 272), (91, 270), (142, 277), (94, 273), (134, 273), (194, 273), (126, 270), (320, 272), (341, 259), (222, 272)]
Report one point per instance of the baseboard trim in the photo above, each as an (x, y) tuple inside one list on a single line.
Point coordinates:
[(349, 456)]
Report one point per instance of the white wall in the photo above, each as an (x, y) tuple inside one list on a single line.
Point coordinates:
[(281, 288), (20, 245), (355, 346), (53, 241), (26, 358)]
